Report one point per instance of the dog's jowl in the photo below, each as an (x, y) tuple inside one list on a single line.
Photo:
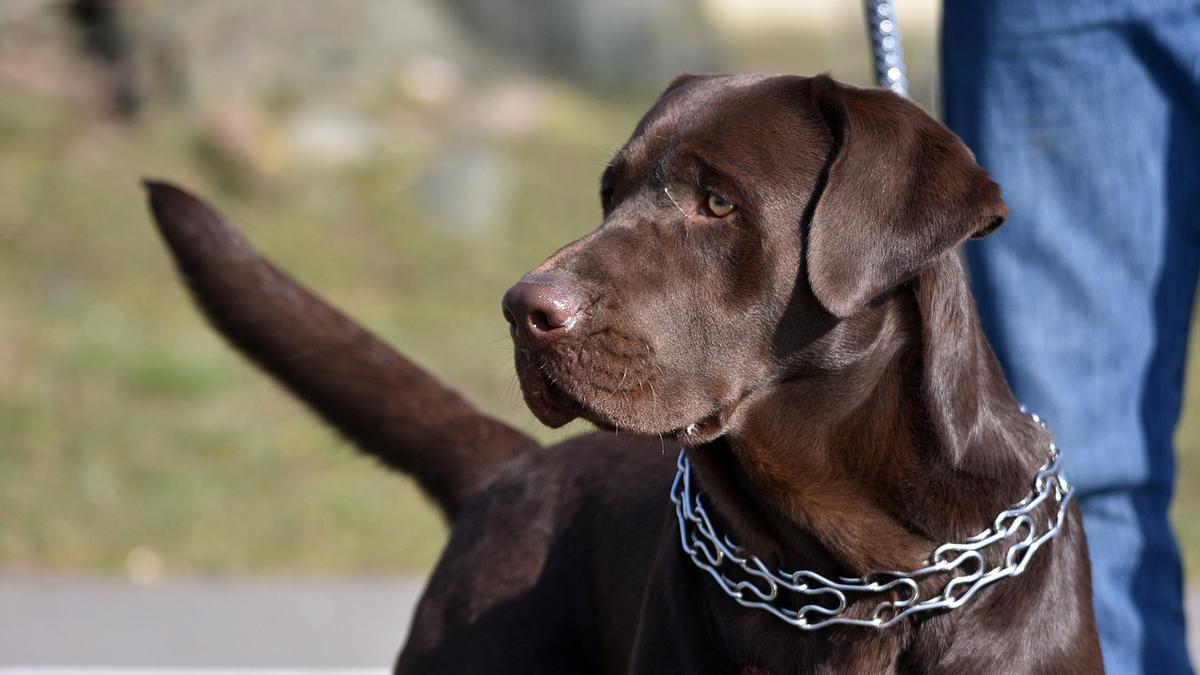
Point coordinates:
[(775, 291)]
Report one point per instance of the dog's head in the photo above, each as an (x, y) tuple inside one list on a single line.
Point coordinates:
[(749, 223)]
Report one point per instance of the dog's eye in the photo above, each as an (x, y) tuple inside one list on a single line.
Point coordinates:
[(719, 206), (606, 195)]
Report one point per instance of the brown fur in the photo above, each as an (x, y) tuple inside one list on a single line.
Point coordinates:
[(380, 400), (849, 415)]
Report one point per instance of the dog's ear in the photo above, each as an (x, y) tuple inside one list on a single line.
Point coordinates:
[(680, 80), (901, 190)]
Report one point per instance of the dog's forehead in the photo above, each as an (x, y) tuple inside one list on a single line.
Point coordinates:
[(695, 105)]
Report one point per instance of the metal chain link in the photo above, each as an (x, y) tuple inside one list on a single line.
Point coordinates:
[(900, 595), (884, 31)]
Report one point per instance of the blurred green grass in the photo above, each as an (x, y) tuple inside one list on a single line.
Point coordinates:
[(128, 430), (127, 425)]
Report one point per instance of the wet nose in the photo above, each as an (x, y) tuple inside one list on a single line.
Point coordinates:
[(543, 308)]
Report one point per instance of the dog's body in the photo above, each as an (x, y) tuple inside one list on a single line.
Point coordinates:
[(775, 288)]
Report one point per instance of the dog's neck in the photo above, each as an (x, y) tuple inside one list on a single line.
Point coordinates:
[(913, 441)]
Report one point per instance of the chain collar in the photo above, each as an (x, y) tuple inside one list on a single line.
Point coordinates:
[(824, 601)]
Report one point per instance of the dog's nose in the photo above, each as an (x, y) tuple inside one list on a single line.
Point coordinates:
[(543, 308)]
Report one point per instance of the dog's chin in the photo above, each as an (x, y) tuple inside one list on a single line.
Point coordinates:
[(608, 417), (554, 406), (556, 403), (704, 430)]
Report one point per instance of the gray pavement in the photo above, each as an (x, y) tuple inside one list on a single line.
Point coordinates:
[(205, 623), (60, 626)]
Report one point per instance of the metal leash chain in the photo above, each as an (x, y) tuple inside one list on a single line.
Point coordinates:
[(900, 595), (884, 31)]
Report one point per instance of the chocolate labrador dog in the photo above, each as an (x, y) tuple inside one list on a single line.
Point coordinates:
[(775, 289)]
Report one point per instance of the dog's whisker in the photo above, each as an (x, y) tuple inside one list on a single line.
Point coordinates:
[(617, 390), (653, 394), (667, 190)]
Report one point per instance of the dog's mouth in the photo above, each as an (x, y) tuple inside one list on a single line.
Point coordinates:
[(555, 398), (547, 401)]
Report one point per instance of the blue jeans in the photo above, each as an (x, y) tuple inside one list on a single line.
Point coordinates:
[(1087, 113)]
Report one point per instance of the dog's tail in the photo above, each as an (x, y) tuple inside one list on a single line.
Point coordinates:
[(388, 406)]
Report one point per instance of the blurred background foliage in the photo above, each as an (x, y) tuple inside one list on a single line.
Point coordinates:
[(409, 159)]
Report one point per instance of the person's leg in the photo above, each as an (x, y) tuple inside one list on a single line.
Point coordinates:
[(1086, 292)]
